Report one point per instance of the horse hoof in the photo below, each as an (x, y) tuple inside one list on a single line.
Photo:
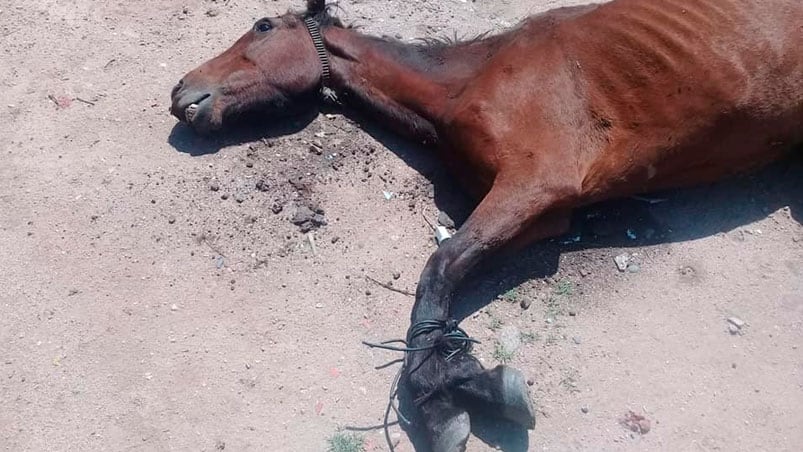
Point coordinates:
[(501, 392), (454, 434), (447, 425), (516, 398)]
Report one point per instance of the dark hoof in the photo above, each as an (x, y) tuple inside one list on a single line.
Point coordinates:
[(499, 392), (448, 426)]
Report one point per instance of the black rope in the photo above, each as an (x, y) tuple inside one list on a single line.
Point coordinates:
[(453, 342)]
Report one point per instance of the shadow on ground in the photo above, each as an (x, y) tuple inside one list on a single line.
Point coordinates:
[(249, 129)]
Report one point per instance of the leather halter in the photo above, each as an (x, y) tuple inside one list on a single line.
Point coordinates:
[(317, 40)]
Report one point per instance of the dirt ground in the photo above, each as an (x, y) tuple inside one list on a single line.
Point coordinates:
[(155, 294)]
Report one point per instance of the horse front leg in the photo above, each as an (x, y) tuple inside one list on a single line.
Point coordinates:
[(442, 377)]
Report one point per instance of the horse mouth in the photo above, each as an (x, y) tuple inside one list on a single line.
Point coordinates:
[(190, 111)]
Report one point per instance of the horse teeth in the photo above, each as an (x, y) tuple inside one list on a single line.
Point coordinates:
[(190, 111)]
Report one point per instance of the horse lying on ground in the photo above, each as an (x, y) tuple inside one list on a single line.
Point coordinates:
[(573, 106)]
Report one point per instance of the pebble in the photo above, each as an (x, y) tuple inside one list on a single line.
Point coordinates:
[(213, 12), (396, 275), (262, 185), (530, 382), (733, 329), (224, 196), (572, 313), (736, 321), (239, 197), (174, 307), (621, 261), (335, 239), (171, 219), (577, 340), (276, 208), (633, 267), (214, 186), (525, 303), (584, 409), (303, 214)]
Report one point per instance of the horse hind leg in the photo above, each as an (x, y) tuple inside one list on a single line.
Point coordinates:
[(447, 387)]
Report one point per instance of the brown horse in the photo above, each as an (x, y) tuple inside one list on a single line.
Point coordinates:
[(571, 107)]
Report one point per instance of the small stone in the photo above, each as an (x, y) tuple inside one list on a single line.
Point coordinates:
[(214, 186), (319, 220), (239, 197), (276, 208), (262, 185), (174, 307), (367, 292), (736, 321), (318, 305), (584, 409), (636, 423), (530, 382), (303, 215), (633, 267), (572, 313), (733, 329), (577, 340), (213, 12), (621, 261), (249, 164), (224, 196), (525, 303), (644, 426), (445, 220), (396, 275), (335, 239), (171, 219)]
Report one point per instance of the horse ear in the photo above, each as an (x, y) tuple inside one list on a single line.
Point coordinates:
[(316, 6)]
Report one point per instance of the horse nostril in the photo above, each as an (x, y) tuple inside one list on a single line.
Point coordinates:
[(177, 88)]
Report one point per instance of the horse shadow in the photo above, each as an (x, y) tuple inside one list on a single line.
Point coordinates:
[(658, 218), (248, 129)]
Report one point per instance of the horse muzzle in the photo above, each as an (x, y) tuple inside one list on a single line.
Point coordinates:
[(194, 107)]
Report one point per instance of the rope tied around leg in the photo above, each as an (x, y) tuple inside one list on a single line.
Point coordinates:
[(454, 341)]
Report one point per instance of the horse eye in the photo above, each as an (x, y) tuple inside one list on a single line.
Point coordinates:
[(263, 27)]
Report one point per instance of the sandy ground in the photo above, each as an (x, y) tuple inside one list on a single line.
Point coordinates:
[(151, 299)]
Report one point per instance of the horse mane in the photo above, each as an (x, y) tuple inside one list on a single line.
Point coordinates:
[(324, 16)]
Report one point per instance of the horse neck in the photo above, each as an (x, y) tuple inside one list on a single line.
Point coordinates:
[(406, 86)]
